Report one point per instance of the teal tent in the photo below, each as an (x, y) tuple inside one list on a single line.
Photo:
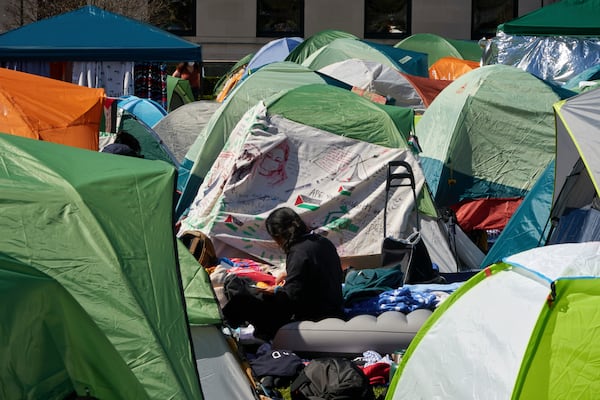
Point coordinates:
[(153, 147), (93, 34), (528, 226), (146, 110), (91, 287)]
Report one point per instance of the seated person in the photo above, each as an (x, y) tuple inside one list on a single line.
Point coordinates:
[(310, 289)]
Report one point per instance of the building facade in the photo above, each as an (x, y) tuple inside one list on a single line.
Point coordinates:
[(230, 29)]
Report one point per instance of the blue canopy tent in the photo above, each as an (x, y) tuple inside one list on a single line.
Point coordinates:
[(97, 48), (93, 34)]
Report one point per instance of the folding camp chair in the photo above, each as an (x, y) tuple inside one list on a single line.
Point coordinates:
[(410, 252)]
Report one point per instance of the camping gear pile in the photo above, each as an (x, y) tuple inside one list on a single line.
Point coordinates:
[(444, 197)]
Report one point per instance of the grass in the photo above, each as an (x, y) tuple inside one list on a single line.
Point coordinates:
[(378, 390)]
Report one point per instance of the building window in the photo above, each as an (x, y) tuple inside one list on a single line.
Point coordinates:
[(179, 17), (488, 14), (276, 18), (387, 19)]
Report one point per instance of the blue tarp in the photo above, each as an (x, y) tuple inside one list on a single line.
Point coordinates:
[(92, 34)]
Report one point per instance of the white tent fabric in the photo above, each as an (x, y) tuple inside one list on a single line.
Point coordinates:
[(378, 78), (576, 200)]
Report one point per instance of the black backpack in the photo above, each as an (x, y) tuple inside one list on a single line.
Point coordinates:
[(331, 378)]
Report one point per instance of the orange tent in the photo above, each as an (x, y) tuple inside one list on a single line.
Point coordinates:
[(427, 88), (47, 109), (450, 68), (230, 84)]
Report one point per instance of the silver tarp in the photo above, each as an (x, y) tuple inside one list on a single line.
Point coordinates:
[(555, 59)]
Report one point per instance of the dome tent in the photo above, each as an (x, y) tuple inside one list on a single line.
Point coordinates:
[(524, 328)]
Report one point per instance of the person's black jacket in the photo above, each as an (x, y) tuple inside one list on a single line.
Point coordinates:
[(314, 279)]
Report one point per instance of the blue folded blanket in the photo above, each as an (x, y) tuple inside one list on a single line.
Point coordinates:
[(404, 299)]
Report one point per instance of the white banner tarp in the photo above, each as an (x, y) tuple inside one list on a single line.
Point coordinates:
[(335, 183)]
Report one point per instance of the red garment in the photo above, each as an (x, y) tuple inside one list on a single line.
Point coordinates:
[(485, 213), (378, 373), (256, 276)]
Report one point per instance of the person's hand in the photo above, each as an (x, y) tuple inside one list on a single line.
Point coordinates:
[(281, 278), (270, 289)]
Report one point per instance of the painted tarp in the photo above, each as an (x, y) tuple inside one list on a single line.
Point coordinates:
[(336, 184), (269, 80)]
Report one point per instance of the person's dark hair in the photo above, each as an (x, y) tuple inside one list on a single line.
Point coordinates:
[(285, 226)]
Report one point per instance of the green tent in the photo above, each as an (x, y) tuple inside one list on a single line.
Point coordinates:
[(153, 147), (93, 299), (315, 42), (525, 328), (488, 135), (437, 47), (179, 92), (201, 304), (410, 62), (342, 112)]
